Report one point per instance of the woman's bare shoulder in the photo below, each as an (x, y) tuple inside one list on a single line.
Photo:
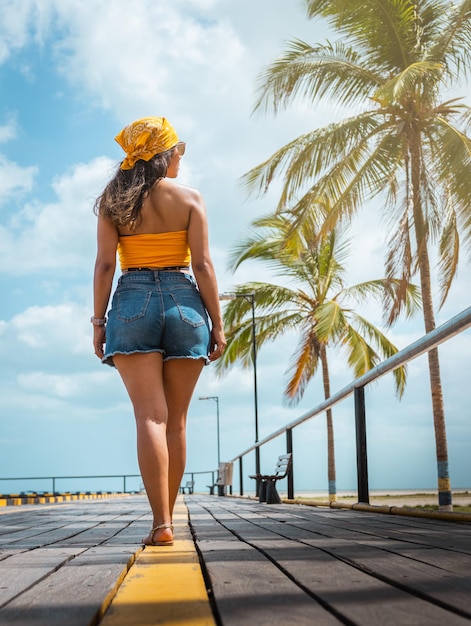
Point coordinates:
[(184, 192)]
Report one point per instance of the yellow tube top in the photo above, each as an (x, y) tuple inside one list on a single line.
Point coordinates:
[(154, 250)]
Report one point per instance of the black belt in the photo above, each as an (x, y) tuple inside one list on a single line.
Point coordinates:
[(157, 269)]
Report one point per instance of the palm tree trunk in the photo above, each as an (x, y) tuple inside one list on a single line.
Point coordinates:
[(330, 428), (444, 487)]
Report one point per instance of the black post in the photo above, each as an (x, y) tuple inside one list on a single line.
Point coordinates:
[(254, 354), (289, 450), (362, 457), (241, 479)]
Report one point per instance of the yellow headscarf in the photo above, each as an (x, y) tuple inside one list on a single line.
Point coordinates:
[(145, 138)]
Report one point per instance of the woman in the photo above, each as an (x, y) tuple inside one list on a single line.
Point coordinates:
[(157, 335)]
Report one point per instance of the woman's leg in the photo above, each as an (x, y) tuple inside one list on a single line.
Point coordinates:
[(180, 377), (142, 375), (160, 394)]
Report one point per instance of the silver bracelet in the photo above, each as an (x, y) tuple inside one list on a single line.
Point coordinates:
[(98, 321)]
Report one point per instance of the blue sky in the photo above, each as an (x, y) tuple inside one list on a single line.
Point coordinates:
[(72, 74)]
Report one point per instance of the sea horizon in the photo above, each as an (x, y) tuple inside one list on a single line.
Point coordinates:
[(373, 492)]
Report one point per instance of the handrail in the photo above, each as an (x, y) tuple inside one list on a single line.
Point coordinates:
[(53, 479), (446, 331)]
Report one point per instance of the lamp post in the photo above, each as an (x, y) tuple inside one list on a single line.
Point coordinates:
[(250, 297), (217, 418)]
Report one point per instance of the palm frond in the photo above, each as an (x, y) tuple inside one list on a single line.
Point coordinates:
[(303, 367), (312, 154), (399, 263), (239, 336), (449, 249), (330, 321), (330, 69), (421, 76), (385, 31), (362, 355), (450, 150), (355, 178), (452, 42), (315, 307)]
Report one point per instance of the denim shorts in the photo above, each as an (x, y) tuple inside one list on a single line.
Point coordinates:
[(157, 311)]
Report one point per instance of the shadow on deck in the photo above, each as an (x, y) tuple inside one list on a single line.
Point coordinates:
[(81, 563)]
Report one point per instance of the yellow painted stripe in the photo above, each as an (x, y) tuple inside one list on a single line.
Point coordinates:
[(164, 585), (14, 500)]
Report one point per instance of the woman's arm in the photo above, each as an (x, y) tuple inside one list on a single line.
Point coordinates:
[(105, 265), (205, 275)]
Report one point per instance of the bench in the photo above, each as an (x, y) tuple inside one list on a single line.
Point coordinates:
[(188, 485), (223, 481), (266, 483)]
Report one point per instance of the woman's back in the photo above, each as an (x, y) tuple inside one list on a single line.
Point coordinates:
[(166, 208)]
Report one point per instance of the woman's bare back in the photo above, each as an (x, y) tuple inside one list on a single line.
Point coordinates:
[(167, 208)]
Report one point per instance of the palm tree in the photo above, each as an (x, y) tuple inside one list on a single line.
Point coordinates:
[(312, 301), (394, 60)]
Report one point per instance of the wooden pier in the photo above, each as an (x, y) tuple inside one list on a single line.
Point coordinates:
[(81, 563)]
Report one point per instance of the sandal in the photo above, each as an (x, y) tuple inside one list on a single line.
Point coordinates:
[(168, 542)]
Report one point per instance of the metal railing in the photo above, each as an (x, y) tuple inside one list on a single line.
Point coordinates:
[(443, 333), (53, 479)]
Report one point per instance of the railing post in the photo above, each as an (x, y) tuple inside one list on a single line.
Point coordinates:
[(289, 450), (53, 484), (362, 457), (124, 484), (241, 479), (257, 471)]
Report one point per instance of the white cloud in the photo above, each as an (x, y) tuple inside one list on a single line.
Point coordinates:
[(61, 234), (60, 330), (14, 179), (21, 22), (14, 26), (63, 386), (9, 130), (163, 52)]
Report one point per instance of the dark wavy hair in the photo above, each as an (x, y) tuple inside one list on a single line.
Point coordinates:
[(121, 200)]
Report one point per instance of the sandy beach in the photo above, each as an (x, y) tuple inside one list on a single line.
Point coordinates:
[(394, 498)]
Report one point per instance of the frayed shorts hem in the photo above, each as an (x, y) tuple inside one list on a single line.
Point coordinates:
[(108, 359)]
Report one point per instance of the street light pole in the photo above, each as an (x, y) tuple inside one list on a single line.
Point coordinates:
[(217, 418), (250, 297)]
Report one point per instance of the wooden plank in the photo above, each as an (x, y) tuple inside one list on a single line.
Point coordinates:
[(353, 593), (341, 573), (73, 595), (54, 571), (448, 559), (132, 533), (404, 528), (164, 586), (433, 582), (267, 564), (247, 587), (21, 571), (73, 524), (421, 546)]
